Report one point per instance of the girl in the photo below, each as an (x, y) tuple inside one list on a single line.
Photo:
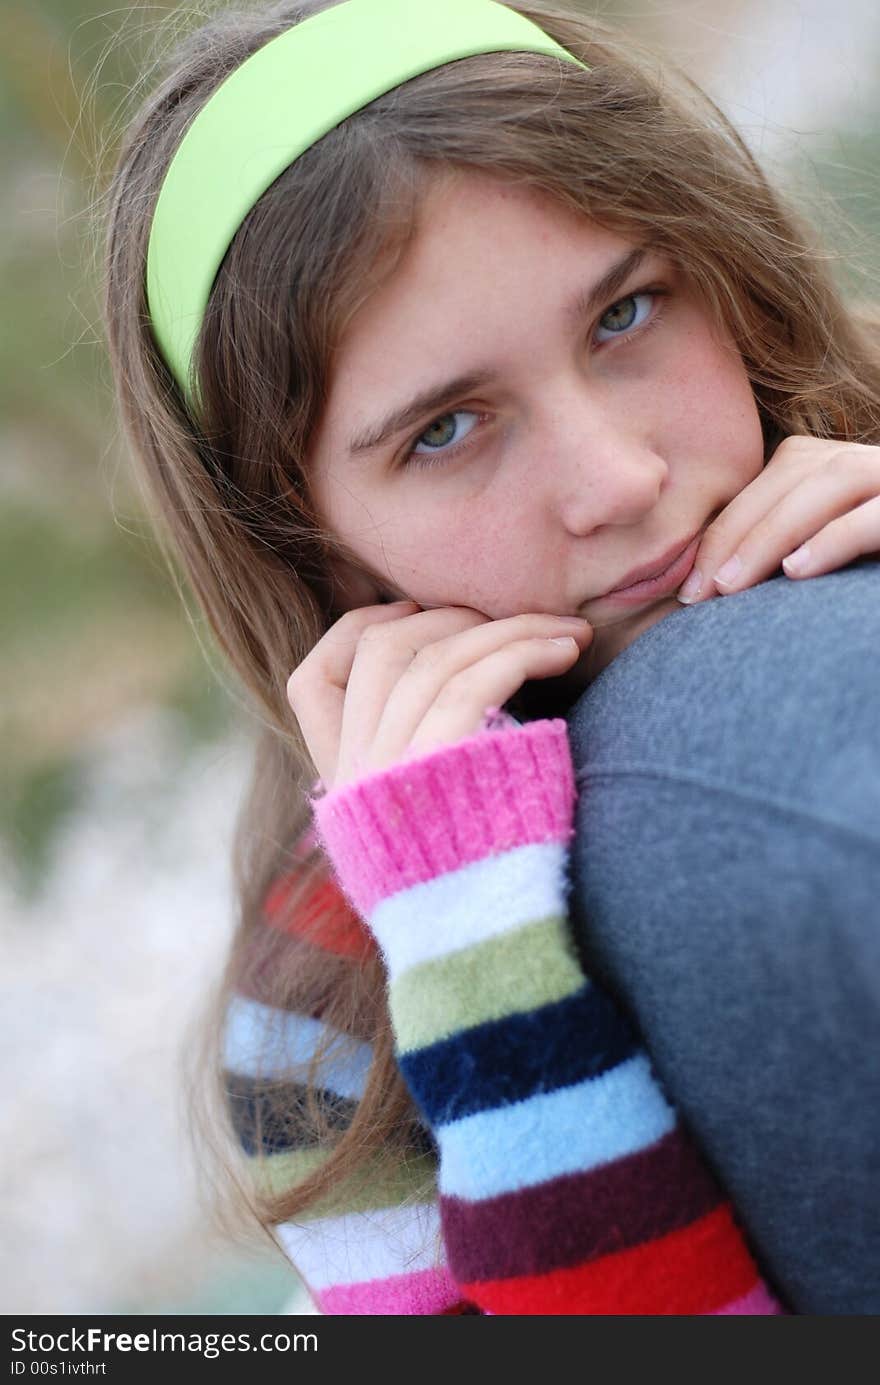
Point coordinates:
[(464, 308)]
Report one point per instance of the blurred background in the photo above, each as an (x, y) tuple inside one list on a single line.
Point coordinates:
[(124, 746)]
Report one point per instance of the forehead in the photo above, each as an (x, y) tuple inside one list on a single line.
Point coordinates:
[(484, 253), (473, 231)]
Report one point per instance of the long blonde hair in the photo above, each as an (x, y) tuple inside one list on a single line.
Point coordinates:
[(632, 144)]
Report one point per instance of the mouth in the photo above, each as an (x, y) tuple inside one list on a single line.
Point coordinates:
[(670, 570)]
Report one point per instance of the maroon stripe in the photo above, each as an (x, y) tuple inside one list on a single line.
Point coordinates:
[(580, 1216)]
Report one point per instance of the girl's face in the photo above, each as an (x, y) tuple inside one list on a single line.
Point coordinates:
[(525, 412)]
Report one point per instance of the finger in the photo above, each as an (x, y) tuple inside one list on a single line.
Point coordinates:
[(436, 664), (804, 503), (459, 709), (461, 705), (824, 495), (853, 535), (382, 657), (399, 673), (721, 539), (316, 688)]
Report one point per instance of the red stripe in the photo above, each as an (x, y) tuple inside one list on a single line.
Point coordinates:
[(324, 917), (697, 1269)]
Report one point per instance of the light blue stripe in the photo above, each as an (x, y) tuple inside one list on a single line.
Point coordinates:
[(566, 1131), (478, 901), (261, 1041)]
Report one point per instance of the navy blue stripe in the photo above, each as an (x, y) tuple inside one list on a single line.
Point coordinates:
[(276, 1117), (507, 1060)]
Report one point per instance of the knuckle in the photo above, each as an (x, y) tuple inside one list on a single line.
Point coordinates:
[(832, 459), (792, 443), (375, 635), (425, 660), (348, 625), (294, 683), (861, 469), (830, 466), (353, 616), (797, 443), (355, 623), (794, 453)]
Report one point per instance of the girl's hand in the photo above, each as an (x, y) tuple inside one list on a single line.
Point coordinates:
[(389, 682), (814, 508)]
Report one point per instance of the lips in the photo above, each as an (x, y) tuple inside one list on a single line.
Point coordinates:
[(655, 568), (661, 584)]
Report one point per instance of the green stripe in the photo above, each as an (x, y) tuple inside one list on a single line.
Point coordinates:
[(515, 972), (380, 1183)]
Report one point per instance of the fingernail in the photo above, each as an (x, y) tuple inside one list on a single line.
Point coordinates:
[(564, 639), (496, 719), (728, 574), (799, 560), (691, 588)]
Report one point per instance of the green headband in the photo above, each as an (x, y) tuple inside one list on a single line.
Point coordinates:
[(272, 108)]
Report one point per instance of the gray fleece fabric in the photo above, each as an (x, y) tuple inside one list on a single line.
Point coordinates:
[(726, 885)]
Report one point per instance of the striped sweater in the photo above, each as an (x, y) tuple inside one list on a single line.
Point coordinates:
[(557, 1178)]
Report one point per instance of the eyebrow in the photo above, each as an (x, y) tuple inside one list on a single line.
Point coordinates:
[(436, 397)]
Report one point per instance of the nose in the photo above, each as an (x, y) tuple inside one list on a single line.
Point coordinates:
[(598, 463)]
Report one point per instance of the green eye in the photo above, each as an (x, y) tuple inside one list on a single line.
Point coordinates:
[(439, 433), (444, 436), (621, 315), (625, 316)]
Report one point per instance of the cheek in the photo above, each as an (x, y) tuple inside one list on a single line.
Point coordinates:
[(712, 415), (468, 554), (406, 537)]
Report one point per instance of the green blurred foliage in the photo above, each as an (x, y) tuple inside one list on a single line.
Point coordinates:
[(81, 577)]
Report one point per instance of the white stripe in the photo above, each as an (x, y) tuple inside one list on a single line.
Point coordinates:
[(365, 1245), (261, 1041), (568, 1131), (470, 905)]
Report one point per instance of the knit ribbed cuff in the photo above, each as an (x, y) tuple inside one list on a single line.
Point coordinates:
[(457, 804)]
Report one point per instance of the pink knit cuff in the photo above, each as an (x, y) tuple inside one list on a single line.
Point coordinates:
[(437, 812), (494, 719)]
